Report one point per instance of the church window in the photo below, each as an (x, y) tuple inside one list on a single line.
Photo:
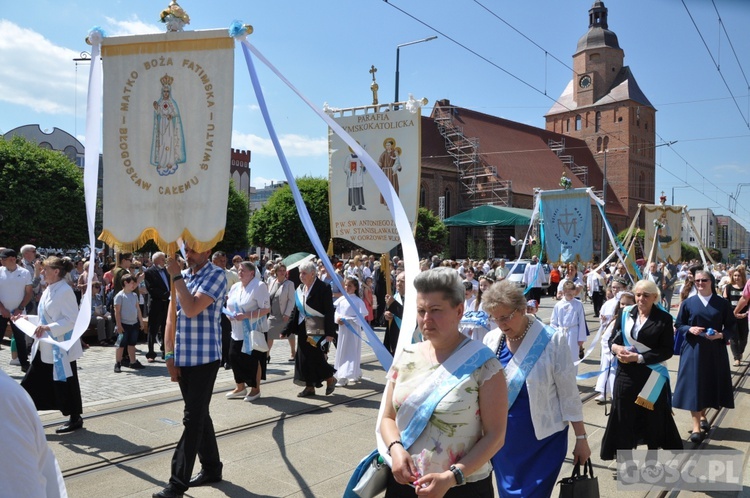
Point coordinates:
[(606, 143), (599, 144), (447, 203), (598, 121), (422, 196), (567, 125), (642, 185), (578, 122)]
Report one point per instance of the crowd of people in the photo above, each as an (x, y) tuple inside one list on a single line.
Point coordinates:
[(506, 380)]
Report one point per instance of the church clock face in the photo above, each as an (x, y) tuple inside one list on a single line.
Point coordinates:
[(585, 81)]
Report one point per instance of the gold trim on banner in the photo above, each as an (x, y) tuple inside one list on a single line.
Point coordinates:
[(167, 247), (163, 47)]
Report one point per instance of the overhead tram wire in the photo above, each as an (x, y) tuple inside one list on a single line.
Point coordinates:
[(716, 64), (541, 92), (736, 58)]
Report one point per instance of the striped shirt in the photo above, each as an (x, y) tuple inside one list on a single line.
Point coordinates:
[(198, 339)]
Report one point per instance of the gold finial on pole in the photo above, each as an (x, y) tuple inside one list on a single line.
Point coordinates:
[(374, 85), (174, 17)]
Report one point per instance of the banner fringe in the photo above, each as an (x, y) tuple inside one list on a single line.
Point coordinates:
[(167, 247), (644, 403)]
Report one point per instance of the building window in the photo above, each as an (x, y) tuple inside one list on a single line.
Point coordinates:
[(642, 185), (599, 144), (578, 122), (422, 196), (606, 143), (447, 203), (567, 125), (598, 121)]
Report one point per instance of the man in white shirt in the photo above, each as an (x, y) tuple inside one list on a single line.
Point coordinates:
[(501, 272), (15, 293)]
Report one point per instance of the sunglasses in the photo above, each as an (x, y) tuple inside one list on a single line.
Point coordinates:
[(701, 280)]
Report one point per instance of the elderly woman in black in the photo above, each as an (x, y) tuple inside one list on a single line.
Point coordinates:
[(704, 379), (642, 342)]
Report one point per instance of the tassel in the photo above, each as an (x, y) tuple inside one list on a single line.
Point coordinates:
[(330, 247), (644, 403)]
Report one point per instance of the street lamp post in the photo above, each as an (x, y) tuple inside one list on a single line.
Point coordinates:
[(398, 49), (678, 186)]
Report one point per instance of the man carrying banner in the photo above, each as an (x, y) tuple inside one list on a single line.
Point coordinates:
[(193, 358)]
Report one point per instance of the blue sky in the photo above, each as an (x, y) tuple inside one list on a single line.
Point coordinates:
[(326, 49)]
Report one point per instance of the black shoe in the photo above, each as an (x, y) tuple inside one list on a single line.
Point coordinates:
[(696, 437), (70, 426), (167, 493), (24, 368), (137, 365), (118, 368), (705, 426), (202, 478)]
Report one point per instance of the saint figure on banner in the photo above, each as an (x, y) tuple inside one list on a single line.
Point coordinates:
[(355, 180), (168, 141), (664, 232), (390, 163)]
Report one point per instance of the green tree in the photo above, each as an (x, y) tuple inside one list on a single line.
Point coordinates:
[(688, 252), (431, 235), (238, 218), (42, 199), (277, 224)]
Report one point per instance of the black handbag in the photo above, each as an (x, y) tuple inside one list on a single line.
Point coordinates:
[(580, 485)]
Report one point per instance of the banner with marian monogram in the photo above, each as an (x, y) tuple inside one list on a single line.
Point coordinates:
[(566, 217), (664, 223), (358, 211), (167, 128)]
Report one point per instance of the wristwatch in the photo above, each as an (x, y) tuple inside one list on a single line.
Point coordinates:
[(458, 474)]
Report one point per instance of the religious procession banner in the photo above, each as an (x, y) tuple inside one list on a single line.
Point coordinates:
[(358, 211), (566, 221), (664, 223), (167, 128)]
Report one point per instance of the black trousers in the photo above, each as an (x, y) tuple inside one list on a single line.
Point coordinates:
[(226, 340), (20, 337), (157, 322), (245, 366), (198, 437), (597, 298)]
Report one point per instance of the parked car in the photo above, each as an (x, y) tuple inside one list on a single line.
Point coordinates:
[(517, 275)]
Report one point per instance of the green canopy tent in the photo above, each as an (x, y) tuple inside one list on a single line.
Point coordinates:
[(490, 216)]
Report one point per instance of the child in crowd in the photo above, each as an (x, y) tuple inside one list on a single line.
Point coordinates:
[(129, 321), (607, 363), (532, 307), (569, 319)]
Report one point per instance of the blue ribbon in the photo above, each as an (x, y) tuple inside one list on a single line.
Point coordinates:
[(656, 367), (59, 356), (300, 204), (516, 383)]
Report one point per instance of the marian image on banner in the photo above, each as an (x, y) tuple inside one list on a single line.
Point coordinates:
[(358, 212), (566, 218), (167, 128), (665, 223)]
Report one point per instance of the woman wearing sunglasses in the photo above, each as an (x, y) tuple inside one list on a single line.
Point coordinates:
[(704, 379)]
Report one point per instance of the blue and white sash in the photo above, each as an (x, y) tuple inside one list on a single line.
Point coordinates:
[(304, 310), (417, 409), (659, 374), (525, 358), (60, 365)]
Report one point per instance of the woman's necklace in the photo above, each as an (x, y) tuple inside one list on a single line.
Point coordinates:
[(528, 326)]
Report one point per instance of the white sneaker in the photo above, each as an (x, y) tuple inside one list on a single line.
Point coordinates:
[(342, 382), (15, 361), (599, 399)]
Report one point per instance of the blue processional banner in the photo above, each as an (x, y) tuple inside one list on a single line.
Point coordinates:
[(566, 218)]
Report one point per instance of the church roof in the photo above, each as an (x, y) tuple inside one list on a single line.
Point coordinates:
[(520, 153), (624, 88), (598, 35)]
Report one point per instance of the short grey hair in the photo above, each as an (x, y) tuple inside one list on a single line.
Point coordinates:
[(158, 254), (503, 293), (308, 267), (441, 279), (28, 247), (249, 266)]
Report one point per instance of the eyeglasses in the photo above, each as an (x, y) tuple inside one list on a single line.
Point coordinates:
[(642, 294), (503, 319), (701, 280)]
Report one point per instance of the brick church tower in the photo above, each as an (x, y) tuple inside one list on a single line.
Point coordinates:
[(604, 106)]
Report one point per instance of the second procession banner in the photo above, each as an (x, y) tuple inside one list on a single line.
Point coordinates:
[(358, 212), (664, 222)]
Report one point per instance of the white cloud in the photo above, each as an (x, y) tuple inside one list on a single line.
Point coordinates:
[(132, 26), (293, 145), (37, 74)]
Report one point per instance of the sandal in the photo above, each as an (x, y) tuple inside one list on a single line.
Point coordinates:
[(306, 393)]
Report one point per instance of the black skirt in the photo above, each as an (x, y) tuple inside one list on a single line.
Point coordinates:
[(245, 366), (310, 365), (49, 394)]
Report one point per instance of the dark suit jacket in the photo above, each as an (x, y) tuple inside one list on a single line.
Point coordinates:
[(320, 299), (657, 333), (155, 285)]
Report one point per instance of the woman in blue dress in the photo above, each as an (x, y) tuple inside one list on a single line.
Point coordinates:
[(536, 438), (704, 379)]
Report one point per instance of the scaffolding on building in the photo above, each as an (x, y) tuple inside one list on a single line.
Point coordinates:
[(480, 180), (581, 172)]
